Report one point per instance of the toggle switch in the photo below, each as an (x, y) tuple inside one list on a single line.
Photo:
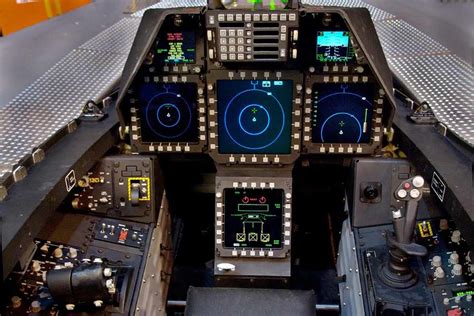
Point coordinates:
[(135, 193)]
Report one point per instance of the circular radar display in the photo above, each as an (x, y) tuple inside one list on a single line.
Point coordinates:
[(342, 113), (168, 112), (254, 116)]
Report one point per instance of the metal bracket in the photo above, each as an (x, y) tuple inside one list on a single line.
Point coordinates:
[(93, 111)]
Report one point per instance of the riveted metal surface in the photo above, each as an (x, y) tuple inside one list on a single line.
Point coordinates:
[(164, 4), (56, 98), (116, 39), (392, 33), (375, 13), (447, 83), (53, 100)]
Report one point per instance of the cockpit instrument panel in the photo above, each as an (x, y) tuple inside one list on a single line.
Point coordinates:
[(166, 99), (260, 86)]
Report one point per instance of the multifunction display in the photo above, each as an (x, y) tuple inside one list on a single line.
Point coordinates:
[(254, 116), (342, 113), (168, 112), (176, 47), (333, 46), (253, 218)]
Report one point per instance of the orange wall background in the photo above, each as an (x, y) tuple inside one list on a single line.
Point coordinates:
[(18, 14)]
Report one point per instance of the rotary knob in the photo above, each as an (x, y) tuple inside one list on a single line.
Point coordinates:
[(454, 258), (436, 262), (35, 307), (439, 273), (456, 236), (57, 253), (35, 266), (72, 253), (457, 269)]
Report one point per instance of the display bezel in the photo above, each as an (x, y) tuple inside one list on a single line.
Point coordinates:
[(135, 127), (343, 148), (296, 114), (283, 183)]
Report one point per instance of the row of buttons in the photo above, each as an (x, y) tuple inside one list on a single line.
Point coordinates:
[(230, 17), (233, 49), (232, 41), (233, 32), (232, 56)]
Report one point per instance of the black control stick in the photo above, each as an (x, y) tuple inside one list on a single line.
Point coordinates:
[(397, 272)]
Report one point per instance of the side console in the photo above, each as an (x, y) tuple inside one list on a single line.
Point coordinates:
[(93, 257), (411, 259)]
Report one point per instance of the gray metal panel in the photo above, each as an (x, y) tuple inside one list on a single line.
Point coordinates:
[(375, 13), (116, 39), (394, 32), (347, 264), (164, 4), (447, 83), (53, 100)]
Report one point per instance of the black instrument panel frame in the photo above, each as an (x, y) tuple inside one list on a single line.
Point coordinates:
[(254, 159)]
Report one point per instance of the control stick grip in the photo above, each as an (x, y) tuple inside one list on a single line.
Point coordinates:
[(411, 248)]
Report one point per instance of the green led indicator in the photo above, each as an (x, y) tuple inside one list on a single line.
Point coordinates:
[(464, 293)]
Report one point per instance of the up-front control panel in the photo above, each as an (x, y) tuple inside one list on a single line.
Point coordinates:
[(259, 86), (265, 36)]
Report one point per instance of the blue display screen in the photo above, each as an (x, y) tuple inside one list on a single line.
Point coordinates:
[(333, 46), (168, 112), (342, 113), (254, 116)]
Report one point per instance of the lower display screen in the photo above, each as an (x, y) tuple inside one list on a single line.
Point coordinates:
[(342, 113), (168, 112), (253, 218), (254, 116)]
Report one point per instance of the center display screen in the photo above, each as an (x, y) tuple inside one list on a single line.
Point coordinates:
[(253, 218), (168, 112), (177, 47), (254, 116), (342, 113)]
